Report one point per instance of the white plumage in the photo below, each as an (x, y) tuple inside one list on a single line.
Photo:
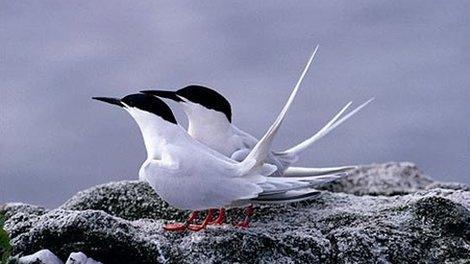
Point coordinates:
[(215, 130), (189, 175), (215, 164)]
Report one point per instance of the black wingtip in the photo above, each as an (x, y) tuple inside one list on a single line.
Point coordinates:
[(163, 94)]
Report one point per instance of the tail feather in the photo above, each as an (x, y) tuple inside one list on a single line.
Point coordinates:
[(261, 150), (285, 159), (302, 171), (275, 185), (332, 124), (287, 197)]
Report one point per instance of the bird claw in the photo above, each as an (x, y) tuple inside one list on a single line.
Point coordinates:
[(217, 222), (220, 219), (196, 228), (188, 225), (246, 223), (175, 227), (243, 224)]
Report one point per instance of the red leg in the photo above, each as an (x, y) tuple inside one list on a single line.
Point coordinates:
[(181, 226), (248, 213), (220, 219), (204, 224)]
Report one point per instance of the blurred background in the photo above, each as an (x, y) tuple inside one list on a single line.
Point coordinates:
[(412, 56)]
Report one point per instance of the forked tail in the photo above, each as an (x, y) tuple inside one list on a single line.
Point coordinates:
[(293, 152), (261, 150)]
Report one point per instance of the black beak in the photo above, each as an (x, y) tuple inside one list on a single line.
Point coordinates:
[(113, 101), (164, 94)]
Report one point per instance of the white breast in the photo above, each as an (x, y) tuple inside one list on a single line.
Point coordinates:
[(197, 180)]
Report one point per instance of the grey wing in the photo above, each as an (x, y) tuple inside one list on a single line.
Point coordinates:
[(246, 139)]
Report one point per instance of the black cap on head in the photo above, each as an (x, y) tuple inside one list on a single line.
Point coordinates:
[(163, 94), (143, 102), (207, 98)]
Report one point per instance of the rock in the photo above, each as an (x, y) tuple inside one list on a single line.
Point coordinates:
[(122, 223), (382, 179), (134, 200), (80, 258), (10, 209), (44, 256), (449, 185), (127, 199), (24, 215)]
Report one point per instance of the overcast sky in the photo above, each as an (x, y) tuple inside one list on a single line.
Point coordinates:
[(412, 56)]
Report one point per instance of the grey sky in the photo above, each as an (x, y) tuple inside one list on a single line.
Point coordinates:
[(413, 56)]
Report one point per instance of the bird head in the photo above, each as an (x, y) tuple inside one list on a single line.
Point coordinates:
[(193, 97), (142, 105)]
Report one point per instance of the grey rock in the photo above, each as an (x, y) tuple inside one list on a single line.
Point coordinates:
[(449, 185), (43, 256), (126, 199), (122, 223), (23, 215), (10, 209), (382, 179), (134, 200), (80, 258)]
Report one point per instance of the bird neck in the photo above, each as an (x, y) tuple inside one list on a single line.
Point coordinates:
[(156, 140), (203, 122), (157, 133)]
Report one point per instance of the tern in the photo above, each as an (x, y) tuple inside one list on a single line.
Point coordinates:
[(210, 122), (189, 175)]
